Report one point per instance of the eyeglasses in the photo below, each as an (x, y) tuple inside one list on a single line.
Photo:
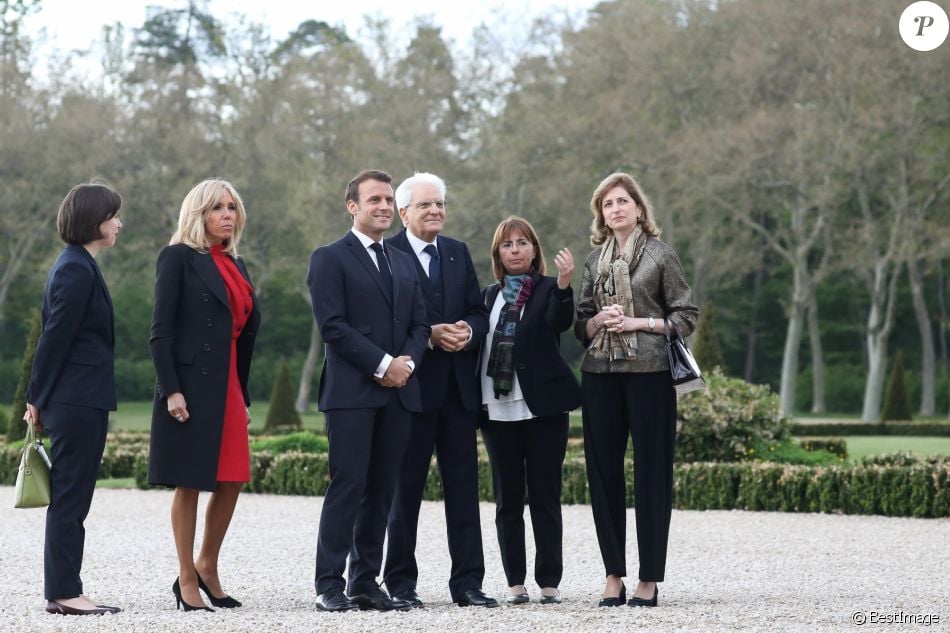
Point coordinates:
[(520, 243), (425, 205)]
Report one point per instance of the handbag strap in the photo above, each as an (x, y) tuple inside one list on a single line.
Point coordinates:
[(30, 433)]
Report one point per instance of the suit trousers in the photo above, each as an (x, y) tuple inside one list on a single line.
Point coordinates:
[(77, 439), (450, 432), (532, 451), (616, 407), (366, 448)]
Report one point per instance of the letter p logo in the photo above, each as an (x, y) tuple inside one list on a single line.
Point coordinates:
[(924, 26)]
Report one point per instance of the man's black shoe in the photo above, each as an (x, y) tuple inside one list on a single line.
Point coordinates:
[(334, 600), (476, 598), (410, 596), (374, 598)]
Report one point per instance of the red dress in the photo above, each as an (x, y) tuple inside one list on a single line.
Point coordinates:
[(234, 461)]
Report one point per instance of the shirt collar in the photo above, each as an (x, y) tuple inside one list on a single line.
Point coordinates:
[(417, 244), (364, 239)]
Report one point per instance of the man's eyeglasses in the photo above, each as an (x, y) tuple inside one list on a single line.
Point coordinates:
[(425, 205)]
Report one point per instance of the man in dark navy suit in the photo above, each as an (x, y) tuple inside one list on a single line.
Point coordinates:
[(370, 311), (450, 400)]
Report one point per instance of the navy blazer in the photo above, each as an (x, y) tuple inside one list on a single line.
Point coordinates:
[(547, 383), (75, 354), (456, 298), (360, 323)]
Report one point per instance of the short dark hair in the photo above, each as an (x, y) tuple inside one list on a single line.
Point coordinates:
[(352, 187), (84, 208)]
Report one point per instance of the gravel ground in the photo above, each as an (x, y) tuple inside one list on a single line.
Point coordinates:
[(727, 571)]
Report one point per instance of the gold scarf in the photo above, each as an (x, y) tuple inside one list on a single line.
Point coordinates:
[(612, 285)]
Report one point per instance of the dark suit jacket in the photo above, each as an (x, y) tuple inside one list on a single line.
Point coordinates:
[(190, 345), (75, 354), (360, 324), (456, 298), (547, 383)]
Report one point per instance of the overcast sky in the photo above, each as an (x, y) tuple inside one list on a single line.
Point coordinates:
[(76, 24)]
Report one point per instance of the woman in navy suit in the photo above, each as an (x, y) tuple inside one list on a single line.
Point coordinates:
[(72, 387), (527, 392), (204, 320)]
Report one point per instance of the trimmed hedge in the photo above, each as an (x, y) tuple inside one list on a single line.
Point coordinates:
[(834, 445), (928, 429)]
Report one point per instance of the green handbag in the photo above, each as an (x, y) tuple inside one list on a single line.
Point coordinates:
[(32, 480)]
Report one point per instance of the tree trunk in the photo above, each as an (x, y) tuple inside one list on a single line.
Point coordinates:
[(880, 324), (942, 325), (817, 356), (752, 333), (928, 360), (309, 365), (793, 341)]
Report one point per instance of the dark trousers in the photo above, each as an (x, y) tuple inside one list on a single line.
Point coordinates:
[(617, 406), (531, 450), (450, 431), (366, 447), (77, 439)]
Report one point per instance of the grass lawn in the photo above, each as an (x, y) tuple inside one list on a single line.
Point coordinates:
[(137, 416), (861, 446)]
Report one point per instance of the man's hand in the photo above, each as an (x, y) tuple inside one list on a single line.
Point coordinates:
[(398, 373), (452, 337), (32, 414)]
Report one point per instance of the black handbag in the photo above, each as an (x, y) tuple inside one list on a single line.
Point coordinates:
[(685, 370)]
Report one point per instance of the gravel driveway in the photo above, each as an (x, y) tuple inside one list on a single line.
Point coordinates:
[(727, 571)]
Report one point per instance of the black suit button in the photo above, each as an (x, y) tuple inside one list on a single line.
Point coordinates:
[(210, 322), (395, 320), (204, 371), (207, 347), (204, 296), (520, 365)]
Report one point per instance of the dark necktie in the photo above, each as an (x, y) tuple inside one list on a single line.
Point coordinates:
[(383, 265), (435, 266)]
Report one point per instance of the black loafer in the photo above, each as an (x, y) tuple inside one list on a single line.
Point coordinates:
[(410, 596), (643, 602), (476, 598), (61, 609), (518, 598), (555, 599), (375, 599), (334, 600), (618, 601)]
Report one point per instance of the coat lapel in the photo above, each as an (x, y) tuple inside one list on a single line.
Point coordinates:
[(208, 273), (360, 254)]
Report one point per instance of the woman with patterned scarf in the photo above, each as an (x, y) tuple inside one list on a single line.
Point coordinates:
[(527, 392), (631, 282)]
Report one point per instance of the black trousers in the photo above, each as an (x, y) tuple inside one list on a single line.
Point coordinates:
[(615, 407), (532, 451), (77, 439), (450, 431), (366, 448)]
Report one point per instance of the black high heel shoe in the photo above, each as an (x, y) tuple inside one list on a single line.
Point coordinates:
[(618, 601), (226, 602), (180, 602), (643, 602)]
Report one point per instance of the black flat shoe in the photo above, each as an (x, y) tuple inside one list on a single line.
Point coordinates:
[(334, 600), (617, 601), (375, 599), (227, 602), (61, 609), (518, 598), (180, 602), (643, 602), (555, 599), (410, 596), (476, 598)]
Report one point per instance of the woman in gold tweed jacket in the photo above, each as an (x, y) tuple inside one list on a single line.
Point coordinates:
[(631, 282)]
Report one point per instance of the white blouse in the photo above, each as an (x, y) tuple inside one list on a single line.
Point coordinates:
[(510, 408)]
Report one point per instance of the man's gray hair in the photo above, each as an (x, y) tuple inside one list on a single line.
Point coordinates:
[(404, 191)]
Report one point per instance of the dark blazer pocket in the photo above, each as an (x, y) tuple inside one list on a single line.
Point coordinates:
[(84, 358), (184, 357)]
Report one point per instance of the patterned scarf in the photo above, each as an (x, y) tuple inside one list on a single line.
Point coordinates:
[(613, 286), (501, 362)]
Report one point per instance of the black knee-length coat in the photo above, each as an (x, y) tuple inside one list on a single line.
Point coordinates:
[(190, 345)]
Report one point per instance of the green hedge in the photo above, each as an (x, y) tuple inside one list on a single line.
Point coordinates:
[(834, 445), (928, 429)]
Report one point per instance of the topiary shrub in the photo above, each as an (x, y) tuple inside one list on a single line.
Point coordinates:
[(725, 423), (706, 346), (896, 400), (17, 431), (303, 442), (282, 415)]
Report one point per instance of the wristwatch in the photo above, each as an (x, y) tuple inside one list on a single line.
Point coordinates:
[(652, 322)]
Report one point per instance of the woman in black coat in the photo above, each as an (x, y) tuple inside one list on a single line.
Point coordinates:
[(527, 392), (72, 387), (204, 321)]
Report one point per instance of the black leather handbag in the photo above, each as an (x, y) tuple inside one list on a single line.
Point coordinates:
[(685, 370)]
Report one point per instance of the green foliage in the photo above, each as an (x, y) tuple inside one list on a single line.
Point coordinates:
[(728, 421), (18, 431), (706, 347), (282, 414), (4, 421), (834, 445), (302, 442), (896, 401), (788, 451)]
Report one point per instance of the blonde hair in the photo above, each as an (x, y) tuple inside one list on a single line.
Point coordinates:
[(508, 226), (599, 231), (195, 209)]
